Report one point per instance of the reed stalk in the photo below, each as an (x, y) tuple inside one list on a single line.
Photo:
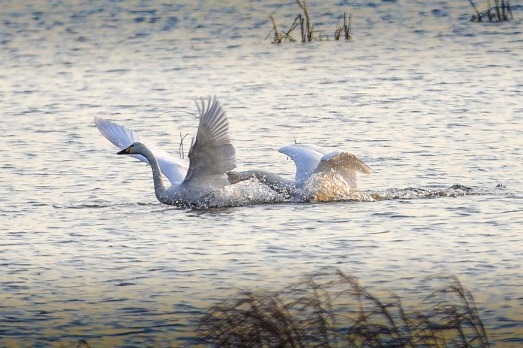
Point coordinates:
[(277, 36), (308, 25), (345, 28), (478, 15)]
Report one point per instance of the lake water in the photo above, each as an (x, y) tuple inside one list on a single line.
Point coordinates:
[(425, 97)]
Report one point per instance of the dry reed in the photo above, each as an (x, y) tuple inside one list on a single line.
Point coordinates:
[(500, 12), (334, 310), (345, 28), (307, 32)]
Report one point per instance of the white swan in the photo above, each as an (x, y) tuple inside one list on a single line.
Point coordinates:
[(313, 160), (321, 175), (211, 155)]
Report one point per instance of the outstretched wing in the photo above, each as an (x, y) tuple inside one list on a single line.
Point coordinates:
[(173, 168), (306, 157), (344, 163), (212, 152)]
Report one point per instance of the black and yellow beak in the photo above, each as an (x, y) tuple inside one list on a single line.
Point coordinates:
[(125, 151)]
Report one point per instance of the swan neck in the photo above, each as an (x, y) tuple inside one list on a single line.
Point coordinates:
[(159, 187)]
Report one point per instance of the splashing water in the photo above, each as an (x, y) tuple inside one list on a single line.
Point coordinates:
[(321, 188)]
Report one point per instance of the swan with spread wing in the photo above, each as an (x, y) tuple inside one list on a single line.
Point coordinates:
[(211, 155), (321, 175)]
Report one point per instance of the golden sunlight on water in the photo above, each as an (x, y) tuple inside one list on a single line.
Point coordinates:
[(422, 95)]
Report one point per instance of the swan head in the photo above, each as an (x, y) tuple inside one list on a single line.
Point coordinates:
[(134, 148)]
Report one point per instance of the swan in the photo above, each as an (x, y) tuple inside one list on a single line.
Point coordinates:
[(321, 175), (211, 155)]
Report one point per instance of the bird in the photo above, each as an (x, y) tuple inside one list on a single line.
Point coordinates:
[(321, 175), (211, 155)]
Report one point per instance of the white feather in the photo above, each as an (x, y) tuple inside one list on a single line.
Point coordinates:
[(175, 169)]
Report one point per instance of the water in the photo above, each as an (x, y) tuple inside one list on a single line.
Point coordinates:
[(423, 96)]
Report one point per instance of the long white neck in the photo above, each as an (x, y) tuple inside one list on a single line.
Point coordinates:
[(159, 188)]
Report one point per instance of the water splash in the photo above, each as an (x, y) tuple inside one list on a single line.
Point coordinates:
[(329, 187), (320, 190), (421, 193), (249, 192)]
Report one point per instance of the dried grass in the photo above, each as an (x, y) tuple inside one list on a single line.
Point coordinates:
[(307, 32), (333, 310), (500, 12)]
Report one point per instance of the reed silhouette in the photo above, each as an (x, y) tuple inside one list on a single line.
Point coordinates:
[(333, 310), (500, 12)]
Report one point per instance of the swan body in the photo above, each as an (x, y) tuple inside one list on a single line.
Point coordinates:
[(315, 160), (275, 182), (321, 175), (211, 155)]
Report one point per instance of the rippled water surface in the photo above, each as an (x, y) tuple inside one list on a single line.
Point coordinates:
[(425, 97)]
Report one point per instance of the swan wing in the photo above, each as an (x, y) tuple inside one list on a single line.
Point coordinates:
[(212, 153), (173, 168), (344, 163), (306, 157)]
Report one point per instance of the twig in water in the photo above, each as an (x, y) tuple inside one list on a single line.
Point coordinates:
[(180, 147), (277, 35), (478, 15), (345, 28), (308, 24)]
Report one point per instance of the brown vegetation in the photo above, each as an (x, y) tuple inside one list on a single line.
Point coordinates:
[(335, 310), (307, 32), (499, 12)]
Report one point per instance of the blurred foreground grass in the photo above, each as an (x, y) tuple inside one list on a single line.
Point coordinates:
[(334, 310)]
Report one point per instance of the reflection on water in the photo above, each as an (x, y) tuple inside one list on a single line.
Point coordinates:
[(425, 97)]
